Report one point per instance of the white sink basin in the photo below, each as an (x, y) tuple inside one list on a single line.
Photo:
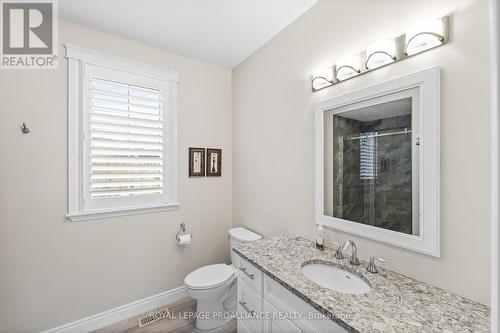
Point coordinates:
[(335, 278)]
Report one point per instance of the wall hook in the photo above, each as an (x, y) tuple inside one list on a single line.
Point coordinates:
[(24, 128)]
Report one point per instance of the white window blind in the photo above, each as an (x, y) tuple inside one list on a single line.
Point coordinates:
[(126, 140), (368, 156)]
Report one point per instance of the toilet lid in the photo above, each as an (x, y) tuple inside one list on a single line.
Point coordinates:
[(243, 235), (210, 276)]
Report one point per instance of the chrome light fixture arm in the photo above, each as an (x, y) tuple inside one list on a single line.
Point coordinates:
[(393, 57), (348, 67), (438, 36), (322, 78)]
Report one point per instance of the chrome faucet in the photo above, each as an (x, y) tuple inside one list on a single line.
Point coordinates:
[(338, 254), (372, 268), (354, 254)]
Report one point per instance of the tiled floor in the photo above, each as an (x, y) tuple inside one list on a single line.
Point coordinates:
[(176, 323)]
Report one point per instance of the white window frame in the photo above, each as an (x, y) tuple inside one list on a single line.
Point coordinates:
[(81, 64)]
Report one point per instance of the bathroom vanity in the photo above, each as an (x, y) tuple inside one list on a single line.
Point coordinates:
[(264, 305), (274, 295)]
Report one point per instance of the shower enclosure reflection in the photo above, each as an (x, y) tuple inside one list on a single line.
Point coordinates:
[(371, 162)]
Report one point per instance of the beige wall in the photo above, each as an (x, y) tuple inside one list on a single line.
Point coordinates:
[(273, 129), (53, 271)]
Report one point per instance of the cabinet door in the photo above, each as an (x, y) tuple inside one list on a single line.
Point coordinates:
[(249, 307), (250, 274), (274, 323)]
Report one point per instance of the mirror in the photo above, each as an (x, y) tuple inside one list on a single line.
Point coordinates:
[(371, 162), (374, 174)]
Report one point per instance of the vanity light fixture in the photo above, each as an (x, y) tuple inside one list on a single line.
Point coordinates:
[(322, 78), (347, 67), (421, 37), (424, 36), (380, 54)]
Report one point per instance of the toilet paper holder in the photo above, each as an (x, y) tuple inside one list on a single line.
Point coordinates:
[(182, 231)]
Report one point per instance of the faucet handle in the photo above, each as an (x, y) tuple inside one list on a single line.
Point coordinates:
[(372, 268), (338, 254)]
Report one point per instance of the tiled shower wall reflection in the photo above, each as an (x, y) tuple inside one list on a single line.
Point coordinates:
[(385, 199)]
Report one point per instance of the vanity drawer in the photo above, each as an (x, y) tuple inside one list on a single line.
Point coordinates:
[(250, 274), (249, 307), (276, 323), (242, 328), (285, 301)]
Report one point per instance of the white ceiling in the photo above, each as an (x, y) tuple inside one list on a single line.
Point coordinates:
[(221, 32)]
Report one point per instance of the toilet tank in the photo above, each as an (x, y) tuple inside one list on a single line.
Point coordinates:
[(239, 236)]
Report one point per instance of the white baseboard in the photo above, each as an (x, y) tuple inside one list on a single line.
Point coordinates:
[(120, 313)]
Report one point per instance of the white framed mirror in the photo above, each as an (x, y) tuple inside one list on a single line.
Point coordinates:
[(378, 162)]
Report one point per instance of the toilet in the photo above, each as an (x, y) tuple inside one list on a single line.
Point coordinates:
[(214, 286)]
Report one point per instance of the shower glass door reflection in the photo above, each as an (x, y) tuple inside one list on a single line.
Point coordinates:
[(373, 169)]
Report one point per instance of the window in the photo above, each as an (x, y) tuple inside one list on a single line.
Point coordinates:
[(122, 137)]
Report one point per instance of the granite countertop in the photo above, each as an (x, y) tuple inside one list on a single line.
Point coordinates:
[(396, 302)]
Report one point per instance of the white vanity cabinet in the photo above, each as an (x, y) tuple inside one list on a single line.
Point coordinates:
[(266, 306)]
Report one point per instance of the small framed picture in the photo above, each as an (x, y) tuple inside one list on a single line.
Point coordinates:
[(214, 162), (196, 162)]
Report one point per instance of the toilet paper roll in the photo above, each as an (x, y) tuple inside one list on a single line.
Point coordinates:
[(185, 239)]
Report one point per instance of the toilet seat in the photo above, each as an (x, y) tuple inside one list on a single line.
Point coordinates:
[(209, 277)]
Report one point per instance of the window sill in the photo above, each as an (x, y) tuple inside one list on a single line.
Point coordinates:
[(76, 217)]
